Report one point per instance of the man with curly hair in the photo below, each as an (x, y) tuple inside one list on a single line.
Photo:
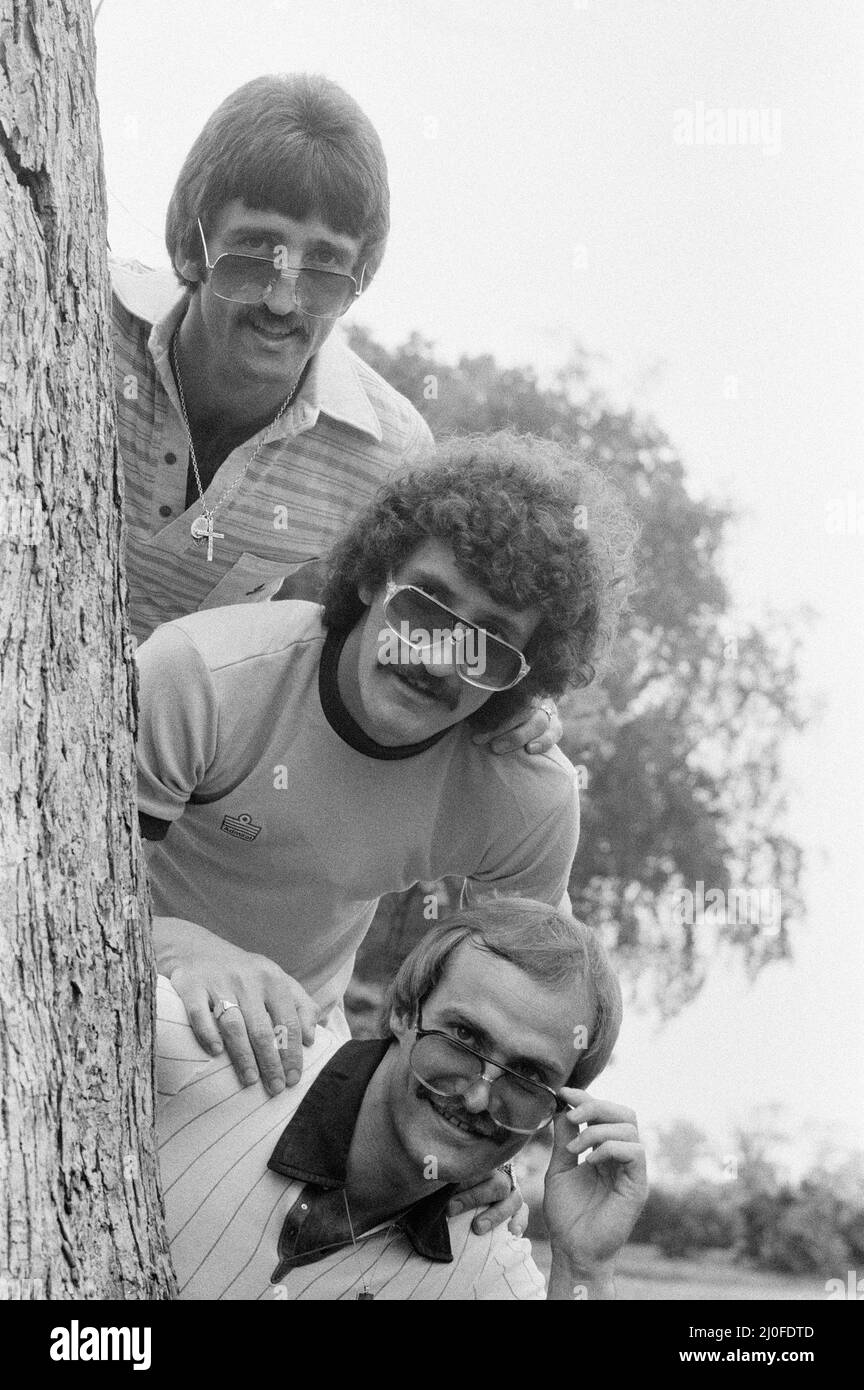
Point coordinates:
[(298, 761)]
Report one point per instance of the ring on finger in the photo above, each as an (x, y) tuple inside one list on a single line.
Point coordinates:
[(223, 1006)]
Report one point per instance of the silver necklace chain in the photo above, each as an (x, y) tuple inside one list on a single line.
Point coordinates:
[(364, 1293), (202, 526)]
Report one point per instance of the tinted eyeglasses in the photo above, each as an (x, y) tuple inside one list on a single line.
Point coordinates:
[(435, 632), (449, 1068), (242, 279)]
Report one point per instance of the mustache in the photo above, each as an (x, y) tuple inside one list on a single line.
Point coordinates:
[(440, 690), (455, 1111)]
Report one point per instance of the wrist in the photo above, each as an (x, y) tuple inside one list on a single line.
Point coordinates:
[(172, 937), (572, 1278)]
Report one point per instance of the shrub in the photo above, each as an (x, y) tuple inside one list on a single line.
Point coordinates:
[(700, 1217), (851, 1229), (800, 1230)]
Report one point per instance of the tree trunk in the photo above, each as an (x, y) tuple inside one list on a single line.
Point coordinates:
[(79, 1194)]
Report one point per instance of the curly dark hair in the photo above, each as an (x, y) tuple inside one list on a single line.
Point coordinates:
[(529, 522)]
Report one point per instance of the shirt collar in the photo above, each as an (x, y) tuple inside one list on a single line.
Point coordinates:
[(332, 386), (314, 1145)]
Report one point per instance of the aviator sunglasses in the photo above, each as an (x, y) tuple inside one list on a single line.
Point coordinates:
[(242, 279), (435, 632)]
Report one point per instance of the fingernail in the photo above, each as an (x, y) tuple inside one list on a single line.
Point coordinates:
[(455, 1208), (482, 1227), (276, 1085), (215, 1049), (292, 1078), (249, 1077)]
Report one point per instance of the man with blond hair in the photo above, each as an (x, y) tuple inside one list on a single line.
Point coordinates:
[(494, 1027)]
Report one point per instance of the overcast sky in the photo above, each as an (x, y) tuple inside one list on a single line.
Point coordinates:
[(566, 172)]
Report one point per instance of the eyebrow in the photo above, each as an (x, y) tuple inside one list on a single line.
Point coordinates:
[(496, 618), (548, 1070), (256, 232), (316, 248), (260, 231)]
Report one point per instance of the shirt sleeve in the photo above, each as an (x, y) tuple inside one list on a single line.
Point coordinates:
[(420, 445), (178, 719), (531, 857), (510, 1271)]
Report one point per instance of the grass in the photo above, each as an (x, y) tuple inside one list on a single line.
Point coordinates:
[(645, 1274)]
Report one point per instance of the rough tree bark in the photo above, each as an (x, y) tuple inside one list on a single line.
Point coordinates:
[(80, 1208)]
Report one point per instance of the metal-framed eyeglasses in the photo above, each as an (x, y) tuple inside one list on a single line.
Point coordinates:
[(449, 1068), (244, 279)]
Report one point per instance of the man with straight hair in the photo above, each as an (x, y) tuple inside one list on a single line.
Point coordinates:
[(493, 1028), (250, 435)]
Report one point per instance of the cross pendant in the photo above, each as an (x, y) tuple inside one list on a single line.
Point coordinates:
[(203, 526), (211, 535)]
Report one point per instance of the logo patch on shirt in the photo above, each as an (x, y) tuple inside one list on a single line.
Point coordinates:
[(242, 827)]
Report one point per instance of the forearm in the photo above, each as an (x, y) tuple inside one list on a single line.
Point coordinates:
[(174, 937), (568, 1280)]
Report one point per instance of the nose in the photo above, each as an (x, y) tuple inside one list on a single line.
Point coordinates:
[(441, 655), (476, 1098), (281, 298)]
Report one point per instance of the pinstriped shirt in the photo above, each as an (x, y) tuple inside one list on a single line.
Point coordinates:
[(226, 1209), (346, 432)]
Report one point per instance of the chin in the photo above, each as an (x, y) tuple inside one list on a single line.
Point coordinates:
[(396, 723)]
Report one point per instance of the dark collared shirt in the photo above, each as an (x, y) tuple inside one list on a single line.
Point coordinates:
[(225, 1208), (313, 1149)]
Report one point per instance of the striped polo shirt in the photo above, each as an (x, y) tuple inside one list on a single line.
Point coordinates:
[(346, 432), (225, 1208)]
